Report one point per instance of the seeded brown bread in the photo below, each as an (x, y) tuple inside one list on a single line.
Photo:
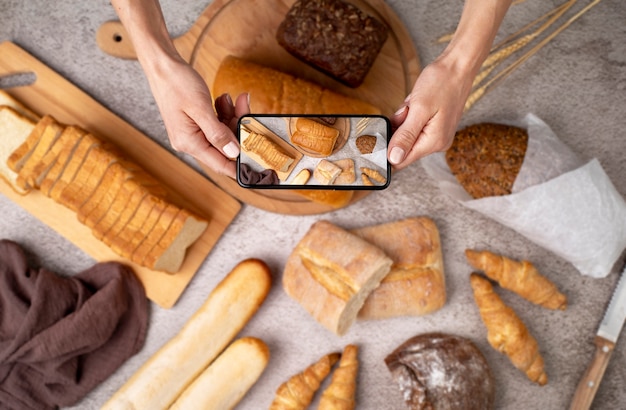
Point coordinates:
[(485, 158), (334, 36)]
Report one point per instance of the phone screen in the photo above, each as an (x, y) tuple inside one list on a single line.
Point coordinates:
[(313, 152)]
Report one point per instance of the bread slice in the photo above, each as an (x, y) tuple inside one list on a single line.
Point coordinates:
[(140, 235), (331, 272), (121, 243), (9, 101), (415, 285), (88, 177), (169, 253), (69, 136), (62, 160), (14, 130), (121, 211), (20, 155), (28, 173), (74, 164), (157, 232)]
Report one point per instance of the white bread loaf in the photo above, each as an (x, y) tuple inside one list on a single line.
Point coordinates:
[(331, 272), (160, 380), (296, 96), (415, 285)]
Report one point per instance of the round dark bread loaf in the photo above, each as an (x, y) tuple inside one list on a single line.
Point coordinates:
[(485, 158), (440, 371)]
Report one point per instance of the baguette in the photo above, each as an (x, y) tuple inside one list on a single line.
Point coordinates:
[(297, 96), (331, 272), (224, 383), (159, 382)]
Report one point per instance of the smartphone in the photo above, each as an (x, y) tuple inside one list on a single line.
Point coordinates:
[(313, 152)]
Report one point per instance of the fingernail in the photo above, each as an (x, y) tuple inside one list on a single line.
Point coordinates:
[(248, 97), (228, 99), (231, 150), (401, 110), (396, 155)]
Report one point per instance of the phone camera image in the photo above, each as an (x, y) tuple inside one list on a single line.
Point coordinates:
[(313, 152)]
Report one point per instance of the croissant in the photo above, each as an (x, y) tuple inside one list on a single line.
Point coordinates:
[(297, 392), (339, 395), (519, 277), (506, 332)]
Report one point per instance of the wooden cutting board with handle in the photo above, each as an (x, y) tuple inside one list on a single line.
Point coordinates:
[(246, 28), (53, 94)]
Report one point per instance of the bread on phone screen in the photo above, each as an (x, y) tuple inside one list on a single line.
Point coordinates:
[(331, 272)]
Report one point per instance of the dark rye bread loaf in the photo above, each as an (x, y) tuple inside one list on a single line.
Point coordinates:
[(485, 158), (443, 372), (333, 36)]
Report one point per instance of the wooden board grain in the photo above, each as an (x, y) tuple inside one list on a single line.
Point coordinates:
[(246, 28), (53, 94)]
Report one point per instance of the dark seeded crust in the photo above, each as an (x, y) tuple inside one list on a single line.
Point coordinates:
[(443, 372), (485, 158), (366, 143), (333, 36)]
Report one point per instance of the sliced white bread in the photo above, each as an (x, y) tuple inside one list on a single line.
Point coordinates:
[(121, 242), (95, 165), (168, 255), (61, 162), (157, 232), (20, 155), (14, 130), (68, 138), (8, 100), (121, 211), (86, 145), (28, 172)]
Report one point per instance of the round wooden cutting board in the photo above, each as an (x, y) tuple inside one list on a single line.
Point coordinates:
[(247, 29)]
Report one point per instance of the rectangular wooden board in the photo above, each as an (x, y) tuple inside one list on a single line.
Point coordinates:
[(52, 94)]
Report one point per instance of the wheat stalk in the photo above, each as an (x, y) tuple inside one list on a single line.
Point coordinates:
[(479, 92)]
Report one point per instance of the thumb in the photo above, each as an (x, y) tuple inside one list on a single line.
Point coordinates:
[(404, 139)]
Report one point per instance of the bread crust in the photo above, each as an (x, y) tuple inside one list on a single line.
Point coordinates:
[(231, 304), (415, 285), (295, 95), (342, 270)]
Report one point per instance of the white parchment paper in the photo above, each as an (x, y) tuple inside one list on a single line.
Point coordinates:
[(562, 204)]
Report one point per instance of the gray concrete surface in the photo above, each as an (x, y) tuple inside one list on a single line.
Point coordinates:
[(576, 84)]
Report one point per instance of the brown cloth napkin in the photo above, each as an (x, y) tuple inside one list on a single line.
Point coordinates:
[(62, 336)]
